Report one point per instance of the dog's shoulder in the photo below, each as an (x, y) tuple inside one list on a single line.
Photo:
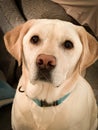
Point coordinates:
[(86, 89)]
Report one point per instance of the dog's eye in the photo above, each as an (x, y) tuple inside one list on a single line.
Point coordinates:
[(68, 44), (34, 39)]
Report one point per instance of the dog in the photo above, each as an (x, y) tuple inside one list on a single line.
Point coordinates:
[(52, 94)]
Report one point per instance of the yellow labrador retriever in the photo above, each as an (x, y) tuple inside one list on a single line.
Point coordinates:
[(52, 94)]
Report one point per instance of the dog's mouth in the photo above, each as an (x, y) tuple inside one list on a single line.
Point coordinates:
[(44, 75)]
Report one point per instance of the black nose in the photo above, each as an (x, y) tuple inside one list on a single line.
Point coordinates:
[(44, 61)]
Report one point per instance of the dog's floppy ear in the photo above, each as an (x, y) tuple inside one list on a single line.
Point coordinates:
[(90, 49), (13, 40)]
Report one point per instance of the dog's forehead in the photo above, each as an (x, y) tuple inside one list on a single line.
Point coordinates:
[(53, 26)]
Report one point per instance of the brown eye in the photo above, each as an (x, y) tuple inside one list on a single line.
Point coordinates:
[(68, 45), (34, 39)]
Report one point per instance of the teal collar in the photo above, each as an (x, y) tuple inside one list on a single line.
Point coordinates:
[(55, 103), (44, 103)]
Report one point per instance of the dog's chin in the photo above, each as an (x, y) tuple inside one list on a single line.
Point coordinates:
[(45, 82), (42, 82)]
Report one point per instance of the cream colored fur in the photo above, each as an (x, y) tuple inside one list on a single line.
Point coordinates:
[(79, 110)]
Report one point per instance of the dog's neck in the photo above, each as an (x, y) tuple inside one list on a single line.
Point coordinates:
[(46, 98), (46, 92), (44, 103)]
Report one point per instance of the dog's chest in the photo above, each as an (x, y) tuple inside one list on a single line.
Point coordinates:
[(48, 118), (62, 117), (39, 118)]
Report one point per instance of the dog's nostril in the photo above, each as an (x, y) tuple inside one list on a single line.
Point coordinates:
[(40, 62), (51, 64), (46, 61)]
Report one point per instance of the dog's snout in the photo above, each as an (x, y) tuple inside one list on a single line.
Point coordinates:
[(44, 61)]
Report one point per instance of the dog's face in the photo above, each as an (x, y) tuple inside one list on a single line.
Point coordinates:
[(51, 50)]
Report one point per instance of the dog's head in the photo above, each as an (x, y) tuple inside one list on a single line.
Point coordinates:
[(51, 50)]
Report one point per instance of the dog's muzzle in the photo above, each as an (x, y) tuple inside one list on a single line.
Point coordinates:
[(45, 64)]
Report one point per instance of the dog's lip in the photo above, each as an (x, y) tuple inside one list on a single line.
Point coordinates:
[(43, 79)]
